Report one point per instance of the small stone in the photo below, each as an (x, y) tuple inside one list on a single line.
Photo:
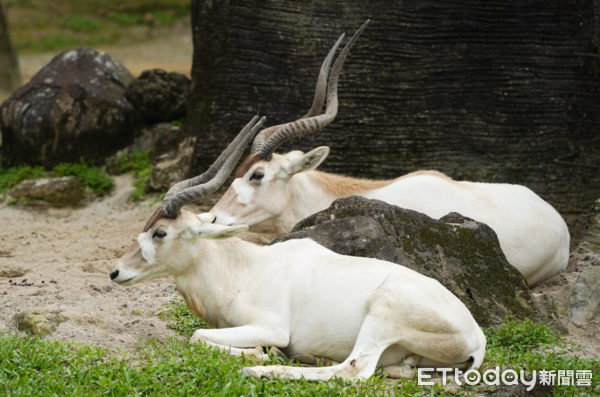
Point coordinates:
[(36, 322)]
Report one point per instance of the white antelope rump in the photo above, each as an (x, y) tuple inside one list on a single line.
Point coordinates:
[(281, 190), (297, 295)]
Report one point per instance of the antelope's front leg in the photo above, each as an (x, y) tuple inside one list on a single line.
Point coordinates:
[(241, 340)]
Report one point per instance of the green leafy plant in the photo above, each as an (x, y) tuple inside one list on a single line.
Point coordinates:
[(93, 177), (529, 346), (178, 123), (140, 164), (9, 177), (521, 336)]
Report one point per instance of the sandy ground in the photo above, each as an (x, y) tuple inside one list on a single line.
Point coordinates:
[(67, 254)]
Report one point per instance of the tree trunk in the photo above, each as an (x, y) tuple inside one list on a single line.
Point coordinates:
[(482, 90), (10, 77)]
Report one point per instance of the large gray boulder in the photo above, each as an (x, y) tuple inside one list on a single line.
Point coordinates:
[(73, 107), (462, 254)]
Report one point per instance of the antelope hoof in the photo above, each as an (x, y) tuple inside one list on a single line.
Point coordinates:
[(307, 359), (255, 372), (315, 361), (278, 354), (412, 360), (255, 355)]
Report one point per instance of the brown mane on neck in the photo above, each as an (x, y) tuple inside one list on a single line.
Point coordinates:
[(247, 164), (343, 186)]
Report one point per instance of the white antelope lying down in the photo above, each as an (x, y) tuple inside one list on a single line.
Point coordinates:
[(284, 189), (298, 296)]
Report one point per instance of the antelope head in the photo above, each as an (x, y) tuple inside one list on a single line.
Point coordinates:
[(169, 243), (260, 189)]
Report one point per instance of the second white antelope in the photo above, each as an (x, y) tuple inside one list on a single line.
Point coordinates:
[(297, 295), (283, 189)]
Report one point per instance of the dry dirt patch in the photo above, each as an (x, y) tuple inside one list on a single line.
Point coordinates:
[(65, 255)]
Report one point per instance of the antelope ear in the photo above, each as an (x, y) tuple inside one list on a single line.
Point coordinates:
[(219, 232), (206, 217), (308, 161)]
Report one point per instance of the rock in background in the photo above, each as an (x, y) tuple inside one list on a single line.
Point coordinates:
[(583, 303), (63, 191), (73, 107), (158, 95), (462, 254)]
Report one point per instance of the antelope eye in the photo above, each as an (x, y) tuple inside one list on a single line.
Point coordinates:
[(159, 234), (257, 176)]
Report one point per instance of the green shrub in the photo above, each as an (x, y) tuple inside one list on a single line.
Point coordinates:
[(140, 164), (93, 177), (9, 177)]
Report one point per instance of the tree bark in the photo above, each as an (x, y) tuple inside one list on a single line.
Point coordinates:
[(10, 77), (482, 90)]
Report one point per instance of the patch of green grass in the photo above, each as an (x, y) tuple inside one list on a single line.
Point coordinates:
[(140, 164), (40, 367), (521, 336), (181, 319), (93, 177), (81, 24), (49, 43), (9, 177), (178, 123), (126, 19), (528, 346), (41, 25)]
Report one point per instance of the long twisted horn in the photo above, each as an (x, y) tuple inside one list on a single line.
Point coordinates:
[(193, 189), (318, 100), (304, 126)]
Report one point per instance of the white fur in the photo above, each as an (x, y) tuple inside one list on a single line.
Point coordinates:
[(532, 234), (306, 299), (148, 251)]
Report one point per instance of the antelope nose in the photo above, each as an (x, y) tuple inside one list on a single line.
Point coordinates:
[(114, 275)]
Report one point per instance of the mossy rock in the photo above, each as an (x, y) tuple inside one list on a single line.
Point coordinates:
[(4, 329), (36, 322), (63, 191), (462, 254)]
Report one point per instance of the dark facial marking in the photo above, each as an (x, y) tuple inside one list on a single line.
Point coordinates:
[(247, 164)]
